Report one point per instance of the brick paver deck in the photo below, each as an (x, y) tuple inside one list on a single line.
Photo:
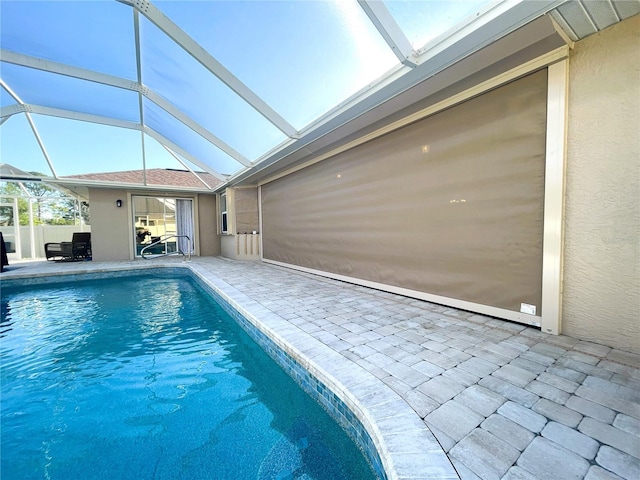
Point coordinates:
[(503, 400)]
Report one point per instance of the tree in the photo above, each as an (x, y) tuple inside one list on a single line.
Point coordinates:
[(51, 205)]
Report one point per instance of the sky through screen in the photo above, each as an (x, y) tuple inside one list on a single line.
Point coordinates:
[(301, 58)]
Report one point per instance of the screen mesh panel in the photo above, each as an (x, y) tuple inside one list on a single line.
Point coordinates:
[(246, 205), (451, 205)]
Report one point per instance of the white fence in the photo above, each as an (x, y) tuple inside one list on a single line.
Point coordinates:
[(41, 234)]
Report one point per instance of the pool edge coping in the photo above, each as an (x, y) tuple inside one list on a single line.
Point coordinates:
[(405, 445)]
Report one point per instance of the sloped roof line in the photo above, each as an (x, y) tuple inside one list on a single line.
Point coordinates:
[(154, 176)]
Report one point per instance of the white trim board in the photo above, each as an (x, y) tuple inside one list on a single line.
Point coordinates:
[(554, 187)]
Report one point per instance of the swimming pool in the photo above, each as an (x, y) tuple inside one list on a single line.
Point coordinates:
[(148, 377)]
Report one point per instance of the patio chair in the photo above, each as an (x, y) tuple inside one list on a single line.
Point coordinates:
[(3, 253), (79, 248)]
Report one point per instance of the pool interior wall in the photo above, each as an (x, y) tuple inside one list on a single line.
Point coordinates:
[(336, 408), (315, 388)]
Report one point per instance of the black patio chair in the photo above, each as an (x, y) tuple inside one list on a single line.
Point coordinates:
[(79, 248), (3, 253)]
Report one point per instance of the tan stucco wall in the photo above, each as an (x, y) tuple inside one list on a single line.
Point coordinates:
[(110, 228), (601, 297), (207, 230), (228, 246)]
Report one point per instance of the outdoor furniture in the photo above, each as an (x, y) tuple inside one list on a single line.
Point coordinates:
[(3, 253), (79, 248)]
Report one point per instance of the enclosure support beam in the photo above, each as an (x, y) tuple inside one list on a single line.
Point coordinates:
[(390, 31), (113, 81), (166, 142), (193, 48), (32, 125)]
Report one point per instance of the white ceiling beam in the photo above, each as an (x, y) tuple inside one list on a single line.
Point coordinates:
[(113, 81), (387, 26), (196, 127), (173, 154), (494, 25), (490, 24), (83, 117), (155, 16), (10, 110), (136, 34), (32, 125), (67, 70), (41, 144), (84, 182), (86, 117), (176, 148)]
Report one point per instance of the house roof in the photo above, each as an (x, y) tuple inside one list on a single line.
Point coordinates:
[(154, 176)]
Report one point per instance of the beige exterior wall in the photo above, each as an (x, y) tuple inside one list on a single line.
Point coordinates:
[(241, 246), (207, 228), (601, 296), (110, 225), (111, 237), (242, 220)]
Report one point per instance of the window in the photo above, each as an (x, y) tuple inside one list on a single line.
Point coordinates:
[(224, 226), (162, 224)]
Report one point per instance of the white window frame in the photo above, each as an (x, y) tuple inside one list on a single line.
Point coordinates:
[(134, 217), (224, 214)]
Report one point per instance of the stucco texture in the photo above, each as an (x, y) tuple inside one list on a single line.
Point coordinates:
[(110, 229), (601, 294), (207, 228)]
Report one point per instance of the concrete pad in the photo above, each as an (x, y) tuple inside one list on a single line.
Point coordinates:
[(480, 399), (546, 459), (572, 440), (455, 419), (517, 436), (619, 463), (441, 389), (523, 416), (485, 454)]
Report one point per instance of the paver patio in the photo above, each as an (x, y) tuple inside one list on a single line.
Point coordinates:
[(503, 400)]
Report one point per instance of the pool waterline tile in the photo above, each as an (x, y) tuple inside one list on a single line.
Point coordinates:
[(326, 375)]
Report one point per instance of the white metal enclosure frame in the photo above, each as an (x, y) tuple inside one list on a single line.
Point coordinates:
[(490, 22)]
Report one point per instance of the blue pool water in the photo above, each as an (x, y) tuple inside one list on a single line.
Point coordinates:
[(149, 378)]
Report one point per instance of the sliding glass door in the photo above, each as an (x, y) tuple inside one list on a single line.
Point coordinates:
[(163, 225)]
